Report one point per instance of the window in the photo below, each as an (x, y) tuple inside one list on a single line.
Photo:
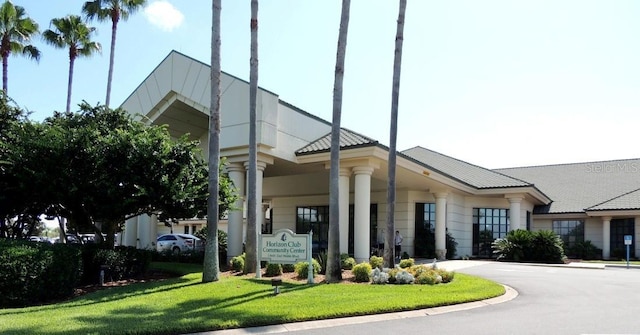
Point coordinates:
[(316, 218), (619, 228), (425, 224), (571, 232), (489, 224)]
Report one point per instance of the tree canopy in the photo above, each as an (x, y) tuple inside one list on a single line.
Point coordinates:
[(98, 167)]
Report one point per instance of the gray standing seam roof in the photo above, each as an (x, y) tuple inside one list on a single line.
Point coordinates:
[(348, 139)]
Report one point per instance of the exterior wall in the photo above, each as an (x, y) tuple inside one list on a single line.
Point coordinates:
[(459, 224)]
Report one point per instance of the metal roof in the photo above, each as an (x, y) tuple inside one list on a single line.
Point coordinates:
[(348, 139)]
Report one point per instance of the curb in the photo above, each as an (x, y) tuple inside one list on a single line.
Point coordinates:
[(509, 295)]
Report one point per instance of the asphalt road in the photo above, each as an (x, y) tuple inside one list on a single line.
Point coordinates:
[(551, 300)]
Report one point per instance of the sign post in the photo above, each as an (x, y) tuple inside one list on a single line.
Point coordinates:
[(628, 239), (286, 247)]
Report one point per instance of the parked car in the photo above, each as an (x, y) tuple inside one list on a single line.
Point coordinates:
[(178, 243)]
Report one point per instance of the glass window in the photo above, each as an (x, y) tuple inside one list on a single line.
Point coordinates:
[(489, 224), (424, 229), (571, 232)]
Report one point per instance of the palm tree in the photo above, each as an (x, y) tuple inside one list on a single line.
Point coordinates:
[(391, 179), (211, 268), (16, 30), (72, 32), (333, 271), (253, 263), (114, 10)]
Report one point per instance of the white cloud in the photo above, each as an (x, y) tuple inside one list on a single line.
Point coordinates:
[(163, 15)]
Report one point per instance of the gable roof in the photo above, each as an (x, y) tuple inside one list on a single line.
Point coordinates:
[(467, 173), (610, 185), (348, 140)]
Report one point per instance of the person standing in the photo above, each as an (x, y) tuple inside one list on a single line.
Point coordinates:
[(398, 240)]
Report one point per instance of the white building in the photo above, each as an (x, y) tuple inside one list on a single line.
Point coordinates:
[(598, 201)]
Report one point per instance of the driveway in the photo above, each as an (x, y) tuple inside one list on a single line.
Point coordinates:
[(551, 300)]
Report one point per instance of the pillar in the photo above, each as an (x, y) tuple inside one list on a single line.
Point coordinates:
[(362, 204), (441, 225), (236, 216), (143, 242), (514, 212), (131, 232), (344, 210), (153, 232), (606, 237)]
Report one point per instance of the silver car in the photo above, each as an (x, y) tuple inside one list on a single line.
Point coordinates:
[(178, 243)]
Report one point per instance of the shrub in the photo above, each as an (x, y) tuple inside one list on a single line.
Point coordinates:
[(430, 277), (447, 276), (302, 269), (379, 277), (322, 260), (405, 255), (547, 247), (288, 267), (392, 274), (362, 271), (32, 272), (407, 263), (273, 270), (347, 263), (584, 250), (237, 263), (121, 262), (417, 270), (522, 245), (404, 277), (376, 262)]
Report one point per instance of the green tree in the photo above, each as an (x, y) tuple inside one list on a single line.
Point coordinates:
[(393, 135), (334, 270), (72, 33), (252, 263), (113, 10), (211, 268), (16, 30)]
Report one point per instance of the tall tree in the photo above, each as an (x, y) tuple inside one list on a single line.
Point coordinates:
[(252, 263), (113, 10), (16, 30), (211, 269), (334, 271), (391, 179), (73, 33)]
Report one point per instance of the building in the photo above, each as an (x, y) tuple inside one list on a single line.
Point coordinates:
[(597, 201)]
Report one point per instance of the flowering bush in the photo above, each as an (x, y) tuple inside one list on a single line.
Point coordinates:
[(362, 272)]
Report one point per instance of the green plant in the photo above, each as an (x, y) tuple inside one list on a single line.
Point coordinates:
[(322, 260), (237, 263), (584, 250), (302, 269), (288, 267), (392, 274), (405, 255), (425, 243), (348, 263), (447, 276), (525, 246), (430, 277), (273, 270), (379, 277), (362, 272), (547, 247), (404, 277), (407, 263), (376, 262)]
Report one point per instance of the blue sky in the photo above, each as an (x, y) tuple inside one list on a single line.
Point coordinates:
[(495, 83)]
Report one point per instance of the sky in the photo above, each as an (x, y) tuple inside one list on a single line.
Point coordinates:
[(494, 83)]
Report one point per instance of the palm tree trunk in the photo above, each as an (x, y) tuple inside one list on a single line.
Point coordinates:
[(253, 262), (391, 179), (69, 85), (211, 269), (114, 28), (334, 271), (5, 73)]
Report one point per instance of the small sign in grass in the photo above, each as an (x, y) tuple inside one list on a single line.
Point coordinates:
[(184, 304)]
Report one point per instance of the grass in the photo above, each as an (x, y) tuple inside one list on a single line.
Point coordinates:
[(184, 304)]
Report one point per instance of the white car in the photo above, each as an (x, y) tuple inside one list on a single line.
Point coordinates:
[(178, 243)]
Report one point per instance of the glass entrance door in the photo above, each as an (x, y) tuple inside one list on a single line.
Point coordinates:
[(619, 228)]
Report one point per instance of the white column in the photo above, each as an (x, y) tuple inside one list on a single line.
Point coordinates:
[(143, 232), (131, 232), (514, 212), (153, 232), (259, 177), (344, 210), (606, 237), (441, 225), (362, 205), (236, 217)]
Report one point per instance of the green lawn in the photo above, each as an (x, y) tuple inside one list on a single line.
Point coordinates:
[(184, 304)]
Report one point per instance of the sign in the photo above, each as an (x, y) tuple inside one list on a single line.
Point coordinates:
[(285, 247), (628, 239)]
